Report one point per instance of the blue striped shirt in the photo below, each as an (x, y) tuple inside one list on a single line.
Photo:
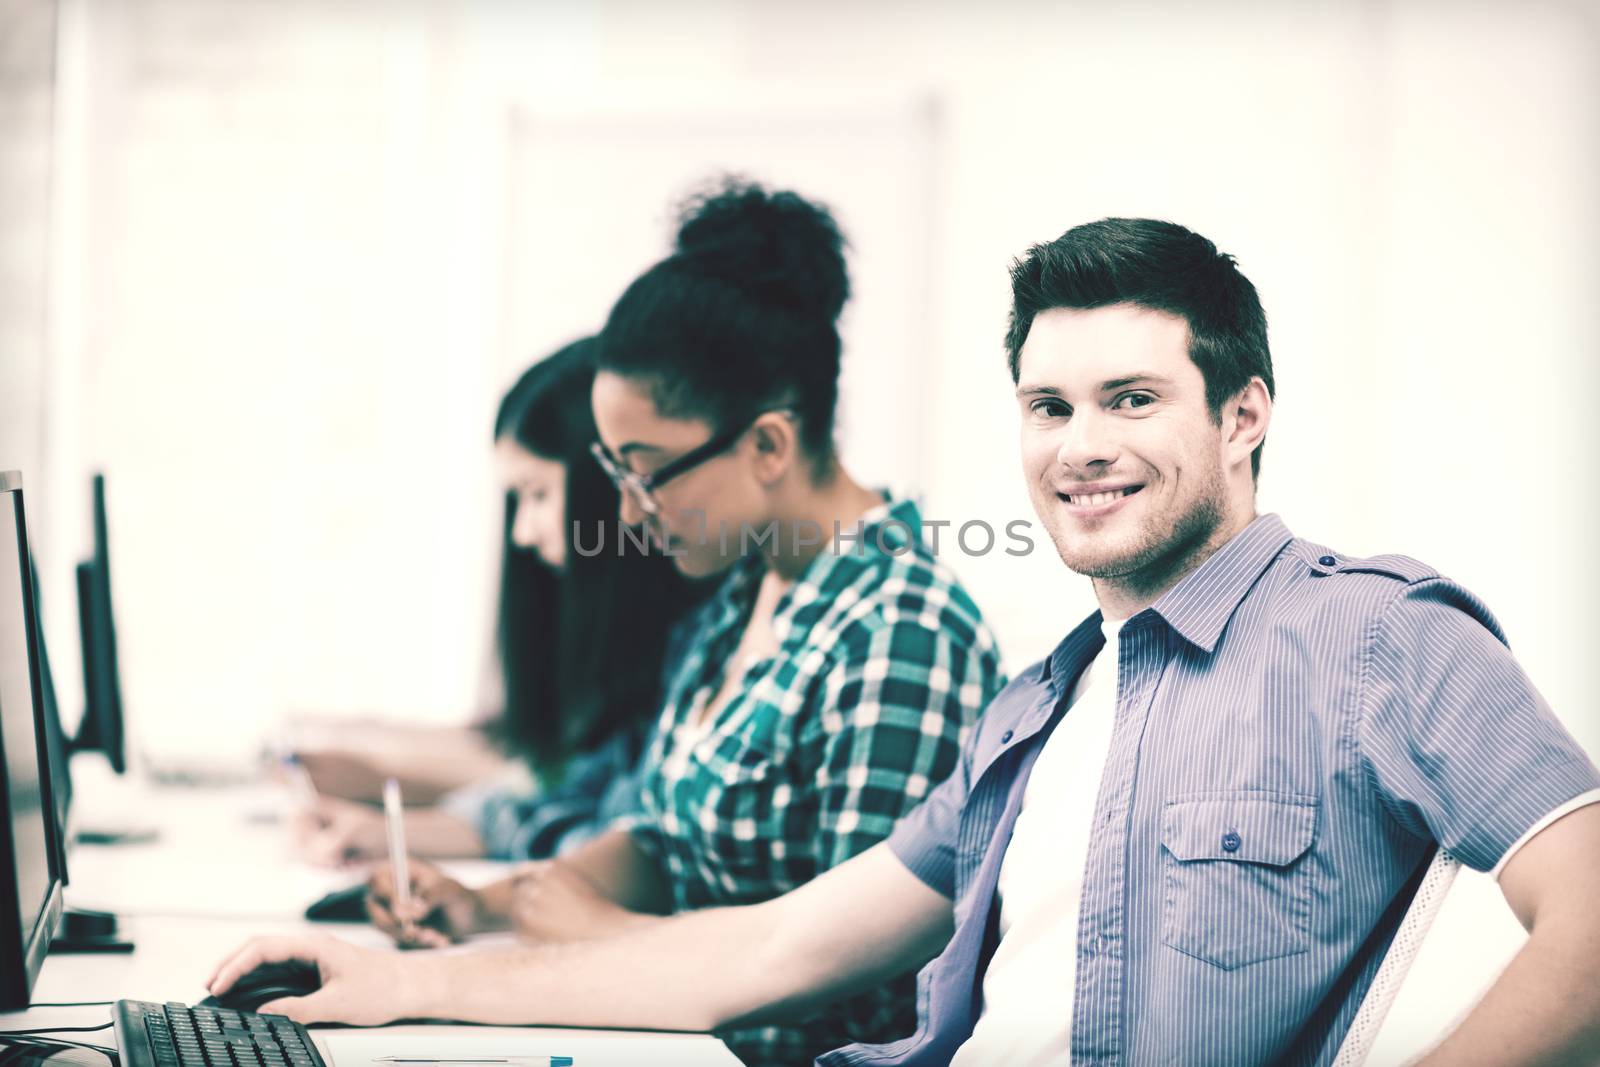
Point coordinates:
[(1296, 731)]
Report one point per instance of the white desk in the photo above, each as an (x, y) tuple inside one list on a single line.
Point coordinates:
[(221, 873)]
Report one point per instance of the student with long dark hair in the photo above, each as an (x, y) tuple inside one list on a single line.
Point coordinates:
[(581, 640), (828, 684)]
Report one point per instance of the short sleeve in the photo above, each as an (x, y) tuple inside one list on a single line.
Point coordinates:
[(893, 713), (925, 840), (1458, 743)]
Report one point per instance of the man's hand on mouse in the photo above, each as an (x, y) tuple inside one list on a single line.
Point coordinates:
[(359, 986)]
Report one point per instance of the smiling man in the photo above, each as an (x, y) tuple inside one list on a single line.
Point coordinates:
[(1119, 441), (1186, 836)]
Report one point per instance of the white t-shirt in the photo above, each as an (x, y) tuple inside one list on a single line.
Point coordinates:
[(1026, 1018)]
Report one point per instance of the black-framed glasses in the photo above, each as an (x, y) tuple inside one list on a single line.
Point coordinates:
[(643, 486)]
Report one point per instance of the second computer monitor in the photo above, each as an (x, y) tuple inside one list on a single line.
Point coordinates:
[(101, 729), (54, 734)]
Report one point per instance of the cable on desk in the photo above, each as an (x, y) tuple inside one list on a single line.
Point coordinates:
[(61, 1042), (56, 1030)]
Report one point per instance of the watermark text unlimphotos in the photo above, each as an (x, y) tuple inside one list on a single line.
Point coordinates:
[(804, 537)]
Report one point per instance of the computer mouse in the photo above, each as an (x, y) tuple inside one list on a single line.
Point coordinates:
[(348, 905), (267, 982)]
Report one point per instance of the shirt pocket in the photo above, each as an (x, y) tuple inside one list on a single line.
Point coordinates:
[(1238, 881)]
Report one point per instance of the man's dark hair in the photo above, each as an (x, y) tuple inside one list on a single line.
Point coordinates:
[(1160, 266)]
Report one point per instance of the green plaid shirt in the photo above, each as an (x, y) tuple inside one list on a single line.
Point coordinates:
[(883, 662)]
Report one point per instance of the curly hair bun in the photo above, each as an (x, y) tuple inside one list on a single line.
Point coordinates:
[(778, 247)]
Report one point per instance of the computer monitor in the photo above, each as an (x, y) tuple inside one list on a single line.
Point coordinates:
[(55, 736), (80, 930), (101, 728), (30, 873)]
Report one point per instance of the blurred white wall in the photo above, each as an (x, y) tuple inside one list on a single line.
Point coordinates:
[(27, 80), (299, 248)]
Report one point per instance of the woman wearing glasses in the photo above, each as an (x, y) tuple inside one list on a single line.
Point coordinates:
[(826, 690), (575, 708)]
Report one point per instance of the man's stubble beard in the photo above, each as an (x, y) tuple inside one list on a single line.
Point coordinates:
[(1156, 554)]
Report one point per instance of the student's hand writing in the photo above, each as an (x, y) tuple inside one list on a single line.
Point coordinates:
[(552, 902), (336, 833), (442, 909)]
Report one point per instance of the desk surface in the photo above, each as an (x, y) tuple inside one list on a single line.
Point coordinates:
[(220, 873)]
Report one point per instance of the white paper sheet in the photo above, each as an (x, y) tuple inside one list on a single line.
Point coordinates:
[(588, 1048)]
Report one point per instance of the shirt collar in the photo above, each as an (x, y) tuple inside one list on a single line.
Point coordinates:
[(891, 527), (1073, 654), (1203, 601), (1198, 607)]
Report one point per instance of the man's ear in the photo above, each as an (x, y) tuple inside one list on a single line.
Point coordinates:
[(1245, 419)]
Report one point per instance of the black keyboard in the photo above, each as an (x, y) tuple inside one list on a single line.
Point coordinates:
[(176, 1035)]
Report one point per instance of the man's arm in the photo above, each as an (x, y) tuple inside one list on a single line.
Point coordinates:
[(851, 927), (1461, 748), (1545, 1007)]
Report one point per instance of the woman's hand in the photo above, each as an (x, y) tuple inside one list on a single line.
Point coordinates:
[(442, 909), (552, 902), (337, 833)]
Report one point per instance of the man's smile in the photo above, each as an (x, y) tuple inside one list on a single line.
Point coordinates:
[(1095, 499)]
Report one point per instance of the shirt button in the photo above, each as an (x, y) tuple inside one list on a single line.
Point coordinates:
[(1231, 842), (1328, 561), (1006, 737)]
